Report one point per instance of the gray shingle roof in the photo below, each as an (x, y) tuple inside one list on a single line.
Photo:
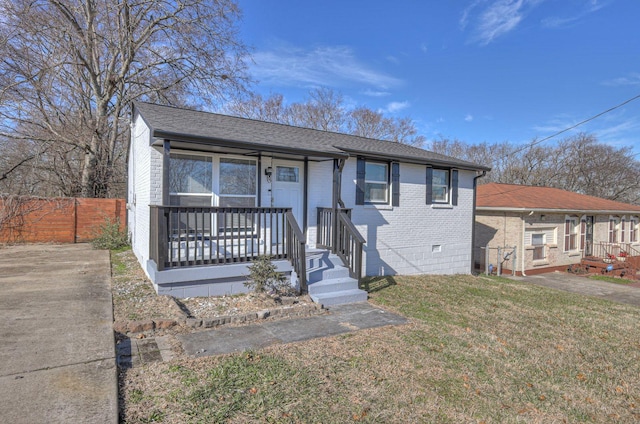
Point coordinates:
[(205, 127)]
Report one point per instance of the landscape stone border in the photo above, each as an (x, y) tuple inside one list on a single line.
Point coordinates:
[(287, 311)]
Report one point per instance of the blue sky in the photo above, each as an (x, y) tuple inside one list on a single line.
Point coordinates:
[(475, 70)]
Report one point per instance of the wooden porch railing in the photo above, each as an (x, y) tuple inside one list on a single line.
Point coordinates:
[(295, 248), (348, 242), (191, 236)]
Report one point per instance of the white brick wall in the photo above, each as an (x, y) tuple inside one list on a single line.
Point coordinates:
[(401, 240), (413, 238), (140, 188)]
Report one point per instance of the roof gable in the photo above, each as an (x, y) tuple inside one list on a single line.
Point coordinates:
[(519, 197), (183, 124)]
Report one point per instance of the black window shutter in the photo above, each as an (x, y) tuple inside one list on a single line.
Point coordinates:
[(454, 187), (360, 171), (395, 184), (429, 186)]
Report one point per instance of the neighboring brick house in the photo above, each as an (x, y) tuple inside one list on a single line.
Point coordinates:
[(550, 228), (209, 192)]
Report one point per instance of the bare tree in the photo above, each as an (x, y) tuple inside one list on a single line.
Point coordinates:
[(71, 69), (324, 109), (580, 164)]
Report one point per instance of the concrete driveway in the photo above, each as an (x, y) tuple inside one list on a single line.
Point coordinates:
[(57, 354), (586, 286)]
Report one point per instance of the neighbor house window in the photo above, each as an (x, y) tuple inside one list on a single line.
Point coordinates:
[(571, 233), (622, 229), (613, 229), (376, 182), (538, 242), (583, 232), (633, 230)]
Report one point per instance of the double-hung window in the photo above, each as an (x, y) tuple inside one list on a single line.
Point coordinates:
[(538, 242), (571, 233), (378, 183), (238, 183), (442, 186), (237, 188), (633, 229), (613, 229), (190, 185), (190, 178)]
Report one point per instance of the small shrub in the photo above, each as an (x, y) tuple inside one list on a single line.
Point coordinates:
[(109, 235), (263, 277)]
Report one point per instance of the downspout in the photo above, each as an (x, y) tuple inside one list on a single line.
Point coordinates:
[(473, 219), (524, 228)]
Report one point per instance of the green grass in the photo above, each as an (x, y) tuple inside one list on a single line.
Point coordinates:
[(476, 349), (611, 279)]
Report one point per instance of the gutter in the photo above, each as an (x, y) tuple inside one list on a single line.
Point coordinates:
[(473, 218)]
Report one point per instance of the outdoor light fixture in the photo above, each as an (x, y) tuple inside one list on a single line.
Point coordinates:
[(268, 171)]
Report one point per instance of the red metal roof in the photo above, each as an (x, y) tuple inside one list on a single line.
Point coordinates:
[(511, 196)]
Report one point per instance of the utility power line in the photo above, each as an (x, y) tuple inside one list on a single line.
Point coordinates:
[(533, 143)]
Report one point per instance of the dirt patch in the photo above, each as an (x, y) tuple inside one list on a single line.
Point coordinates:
[(138, 309)]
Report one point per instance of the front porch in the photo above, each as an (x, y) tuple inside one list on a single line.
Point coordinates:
[(615, 259), (207, 251)]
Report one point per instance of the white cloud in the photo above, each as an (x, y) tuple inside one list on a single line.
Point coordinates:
[(590, 6), (375, 93), (468, 118), (631, 79), (497, 18), (322, 66), (394, 107)]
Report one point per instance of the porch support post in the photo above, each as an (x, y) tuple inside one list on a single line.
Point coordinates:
[(334, 206), (338, 164), (260, 179), (166, 151), (305, 196)]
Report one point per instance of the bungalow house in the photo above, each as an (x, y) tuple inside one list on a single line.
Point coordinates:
[(542, 229), (208, 193)]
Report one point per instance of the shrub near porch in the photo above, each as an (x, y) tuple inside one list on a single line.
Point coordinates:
[(476, 350)]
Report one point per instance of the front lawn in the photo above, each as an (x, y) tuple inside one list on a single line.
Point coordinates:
[(476, 349)]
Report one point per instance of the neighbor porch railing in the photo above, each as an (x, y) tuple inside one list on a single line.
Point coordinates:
[(340, 235), (604, 250), (190, 236)]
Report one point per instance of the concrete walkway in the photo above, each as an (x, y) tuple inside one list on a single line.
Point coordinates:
[(586, 286), (57, 355), (340, 319)]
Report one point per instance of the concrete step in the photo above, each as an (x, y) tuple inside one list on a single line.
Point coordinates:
[(332, 285), (340, 297), (327, 274), (323, 265)]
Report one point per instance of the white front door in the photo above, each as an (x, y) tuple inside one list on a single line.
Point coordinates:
[(287, 187)]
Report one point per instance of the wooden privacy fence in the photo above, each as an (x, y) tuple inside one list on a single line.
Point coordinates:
[(60, 220)]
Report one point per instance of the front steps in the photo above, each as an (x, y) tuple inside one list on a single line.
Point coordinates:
[(329, 282)]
